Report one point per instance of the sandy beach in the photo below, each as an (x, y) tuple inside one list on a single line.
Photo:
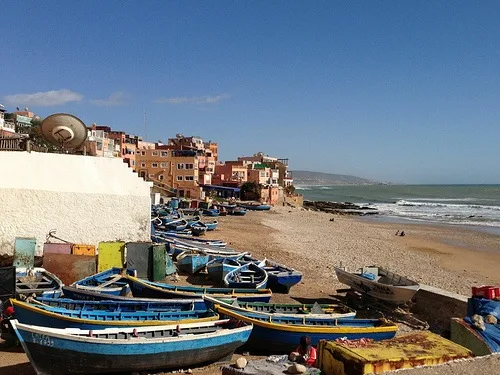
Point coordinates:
[(452, 258)]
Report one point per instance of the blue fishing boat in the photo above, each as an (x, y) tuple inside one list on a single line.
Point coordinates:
[(255, 206), (218, 268), (284, 310), (249, 275), (143, 288), (210, 212), (38, 281), (237, 211), (57, 317), (74, 351), (86, 295), (125, 304), (192, 262), (281, 277), (211, 225), (107, 282), (198, 228), (278, 334), (176, 225)]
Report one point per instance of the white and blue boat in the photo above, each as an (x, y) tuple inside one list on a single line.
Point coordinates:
[(280, 334), (57, 317), (38, 281), (125, 304), (281, 277), (107, 282), (75, 351), (148, 289), (248, 275)]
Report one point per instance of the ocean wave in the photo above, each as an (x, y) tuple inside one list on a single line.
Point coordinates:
[(446, 205)]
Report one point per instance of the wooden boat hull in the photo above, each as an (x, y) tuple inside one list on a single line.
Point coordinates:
[(91, 319), (83, 295), (142, 288), (192, 263), (389, 293), (238, 278), (286, 310), (271, 337), (107, 282), (41, 283), (54, 352), (256, 207), (126, 304), (280, 277)]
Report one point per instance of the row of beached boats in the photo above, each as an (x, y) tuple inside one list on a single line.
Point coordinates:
[(115, 322)]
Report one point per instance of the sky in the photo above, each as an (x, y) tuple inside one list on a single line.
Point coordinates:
[(395, 91)]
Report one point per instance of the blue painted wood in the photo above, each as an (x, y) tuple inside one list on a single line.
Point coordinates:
[(126, 305), (24, 252), (102, 282), (192, 263), (148, 289), (248, 275), (57, 352), (37, 281), (280, 334), (56, 317)]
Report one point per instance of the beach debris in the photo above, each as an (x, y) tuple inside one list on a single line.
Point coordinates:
[(241, 363), (491, 319), (354, 343), (478, 322), (296, 368)]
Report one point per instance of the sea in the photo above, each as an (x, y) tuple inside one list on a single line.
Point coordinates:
[(475, 206)]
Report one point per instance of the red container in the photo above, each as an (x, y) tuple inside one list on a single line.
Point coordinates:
[(486, 291)]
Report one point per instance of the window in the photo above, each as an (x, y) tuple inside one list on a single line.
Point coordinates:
[(155, 153), (179, 178), (143, 153), (163, 165), (133, 163), (160, 177), (189, 166), (143, 165), (180, 166), (189, 178), (154, 165), (164, 154)]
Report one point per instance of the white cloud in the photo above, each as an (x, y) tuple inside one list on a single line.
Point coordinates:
[(43, 99), (194, 99), (115, 99)]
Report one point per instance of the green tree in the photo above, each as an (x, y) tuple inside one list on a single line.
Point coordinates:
[(290, 190), (36, 138), (250, 191)]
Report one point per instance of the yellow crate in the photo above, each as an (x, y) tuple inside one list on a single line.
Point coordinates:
[(407, 351), (81, 249)]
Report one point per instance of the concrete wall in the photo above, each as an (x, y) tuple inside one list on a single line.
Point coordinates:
[(86, 199)]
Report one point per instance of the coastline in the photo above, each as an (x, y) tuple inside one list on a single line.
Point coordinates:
[(451, 258)]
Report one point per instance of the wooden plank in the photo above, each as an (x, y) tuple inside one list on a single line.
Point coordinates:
[(68, 267)]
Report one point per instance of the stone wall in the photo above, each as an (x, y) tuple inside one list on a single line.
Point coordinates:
[(85, 199)]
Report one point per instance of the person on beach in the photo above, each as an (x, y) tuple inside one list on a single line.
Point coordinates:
[(305, 353)]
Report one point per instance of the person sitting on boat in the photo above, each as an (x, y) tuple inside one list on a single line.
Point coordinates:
[(305, 352)]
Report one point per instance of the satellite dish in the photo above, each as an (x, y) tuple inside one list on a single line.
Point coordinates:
[(64, 130)]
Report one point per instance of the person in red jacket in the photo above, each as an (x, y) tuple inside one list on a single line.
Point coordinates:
[(305, 353)]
